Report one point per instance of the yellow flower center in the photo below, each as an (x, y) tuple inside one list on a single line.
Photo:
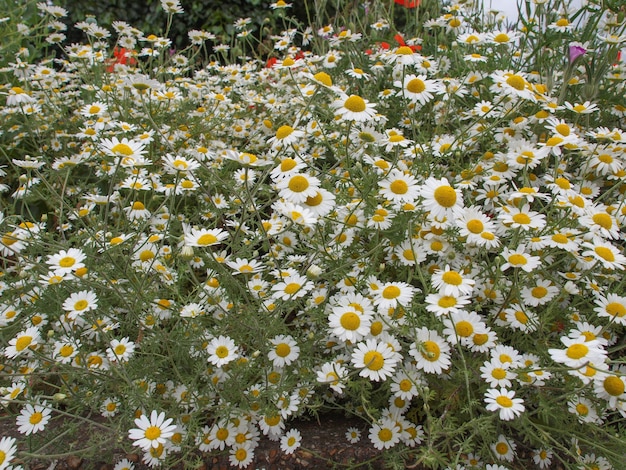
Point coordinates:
[(111, 407), (355, 103), (501, 38), (577, 351), (605, 253), (287, 164), (464, 329), (67, 262), (207, 239), (603, 220), (283, 132), (8, 239), (517, 260), (314, 201), (146, 255), (138, 206), (563, 183), (323, 78), (36, 417), (122, 149), (447, 301), (539, 292), (399, 187), (502, 448), (292, 288), (94, 361), (431, 351), (505, 402), (498, 373), (416, 86), (562, 22), (475, 226), (445, 196), (298, 183), (221, 351), (560, 238), (521, 317), (152, 433), (562, 129), (521, 219), (376, 328), (283, 350), (408, 254), (120, 349), (373, 360), (66, 350), (480, 338), (405, 385), (615, 309), (81, 305), (391, 292), (517, 82), (582, 409), (404, 50), (272, 420), (350, 321), (452, 277), (23, 342), (385, 435), (241, 454), (614, 386)]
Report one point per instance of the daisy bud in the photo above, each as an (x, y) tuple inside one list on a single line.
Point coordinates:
[(314, 271), (59, 397), (187, 252)]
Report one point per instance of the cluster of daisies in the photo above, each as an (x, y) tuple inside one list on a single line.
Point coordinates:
[(409, 232)]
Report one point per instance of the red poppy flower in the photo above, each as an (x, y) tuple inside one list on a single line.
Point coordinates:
[(400, 40), (121, 55), (408, 3)]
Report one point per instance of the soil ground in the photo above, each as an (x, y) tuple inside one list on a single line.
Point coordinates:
[(324, 446)]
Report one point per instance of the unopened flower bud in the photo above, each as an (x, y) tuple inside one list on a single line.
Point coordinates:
[(187, 252)]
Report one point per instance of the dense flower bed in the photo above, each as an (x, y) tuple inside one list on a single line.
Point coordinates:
[(421, 228)]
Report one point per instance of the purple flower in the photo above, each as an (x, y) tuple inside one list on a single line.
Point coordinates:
[(576, 50)]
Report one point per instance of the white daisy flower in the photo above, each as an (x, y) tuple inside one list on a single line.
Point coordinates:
[(152, 432), (377, 360), (204, 237), (33, 419), (290, 441), (441, 199), (284, 352), (354, 108), (222, 350), (450, 282), (417, 88), (120, 350), (385, 434), (392, 294), (80, 302), (66, 261), (23, 342), (431, 351)]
